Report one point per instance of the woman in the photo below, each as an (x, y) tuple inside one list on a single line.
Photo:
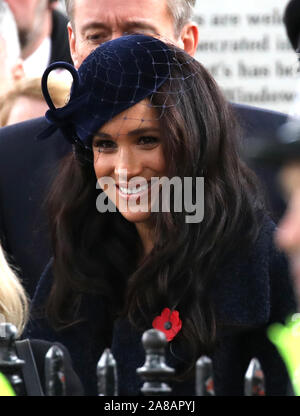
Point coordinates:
[(140, 110), (14, 310)]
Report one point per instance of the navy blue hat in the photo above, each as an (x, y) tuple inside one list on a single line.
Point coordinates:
[(115, 76)]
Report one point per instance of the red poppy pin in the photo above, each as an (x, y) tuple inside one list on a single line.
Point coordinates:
[(168, 322)]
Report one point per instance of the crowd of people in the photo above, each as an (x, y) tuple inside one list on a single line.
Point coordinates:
[(94, 245), (33, 34)]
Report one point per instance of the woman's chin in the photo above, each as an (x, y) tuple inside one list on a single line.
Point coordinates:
[(136, 217)]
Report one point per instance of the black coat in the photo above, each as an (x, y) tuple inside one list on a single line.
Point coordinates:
[(250, 292), (60, 49), (39, 350), (26, 169)]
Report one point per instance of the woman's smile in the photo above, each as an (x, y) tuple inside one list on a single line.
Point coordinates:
[(133, 191), (128, 151)]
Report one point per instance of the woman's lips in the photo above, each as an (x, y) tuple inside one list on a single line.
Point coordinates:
[(137, 192)]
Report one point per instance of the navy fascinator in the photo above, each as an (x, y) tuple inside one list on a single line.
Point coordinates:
[(114, 77)]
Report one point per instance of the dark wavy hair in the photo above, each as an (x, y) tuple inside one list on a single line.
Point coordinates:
[(96, 253)]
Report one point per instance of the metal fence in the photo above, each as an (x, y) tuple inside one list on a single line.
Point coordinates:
[(156, 375)]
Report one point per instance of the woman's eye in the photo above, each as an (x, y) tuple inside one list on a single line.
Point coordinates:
[(148, 140), (104, 145)]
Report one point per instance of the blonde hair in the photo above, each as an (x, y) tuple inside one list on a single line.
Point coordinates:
[(31, 87), (13, 299)]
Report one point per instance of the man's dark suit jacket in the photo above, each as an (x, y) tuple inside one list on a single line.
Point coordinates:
[(60, 49), (26, 169)]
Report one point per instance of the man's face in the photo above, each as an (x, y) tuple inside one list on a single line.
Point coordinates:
[(288, 232), (97, 21)]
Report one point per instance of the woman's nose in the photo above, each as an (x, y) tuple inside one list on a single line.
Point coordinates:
[(127, 164)]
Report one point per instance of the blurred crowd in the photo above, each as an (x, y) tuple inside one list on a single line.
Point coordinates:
[(33, 34)]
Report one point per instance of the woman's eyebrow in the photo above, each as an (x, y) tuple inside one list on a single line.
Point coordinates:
[(103, 135), (144, 130), (135, 132)]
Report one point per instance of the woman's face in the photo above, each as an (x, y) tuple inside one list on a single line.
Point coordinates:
[(127, 154)]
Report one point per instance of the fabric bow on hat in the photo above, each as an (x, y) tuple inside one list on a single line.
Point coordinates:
[(61, 118)]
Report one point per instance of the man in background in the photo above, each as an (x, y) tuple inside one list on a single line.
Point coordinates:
[(291, 20), (42, 33), (11, 67), (94, 22), (284, 154)]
